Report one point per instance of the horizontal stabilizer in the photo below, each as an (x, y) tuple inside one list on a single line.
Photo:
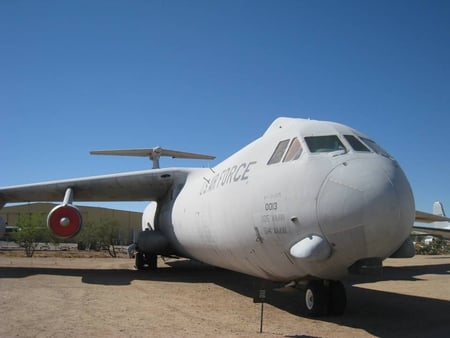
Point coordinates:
[(153, 153)]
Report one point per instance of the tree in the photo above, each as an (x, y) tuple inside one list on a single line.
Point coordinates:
[(438, 246), (88, 237), (104, 233), (32, 230), (110, 233)]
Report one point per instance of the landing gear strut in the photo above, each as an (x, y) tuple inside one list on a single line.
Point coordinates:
[(325, 297), (146, 261)]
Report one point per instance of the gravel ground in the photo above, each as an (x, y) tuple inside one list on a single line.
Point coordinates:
[(105, 297)]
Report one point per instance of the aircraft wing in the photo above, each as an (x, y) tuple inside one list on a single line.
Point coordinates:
[(434, 231), (147, 185), (425, 217)]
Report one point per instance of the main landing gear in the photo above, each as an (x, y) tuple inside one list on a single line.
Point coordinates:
[(146, 261), (323, 297)]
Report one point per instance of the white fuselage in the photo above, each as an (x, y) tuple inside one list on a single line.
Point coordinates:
[(246, 215)]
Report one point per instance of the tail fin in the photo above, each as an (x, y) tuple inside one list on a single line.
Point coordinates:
[(438, 209)]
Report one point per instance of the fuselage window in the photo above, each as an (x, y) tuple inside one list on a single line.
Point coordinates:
[(278, 152), (324, 144), (294, 151), (356, 144)]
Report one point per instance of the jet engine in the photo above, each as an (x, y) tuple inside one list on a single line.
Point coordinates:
[(64, 221), (148, 217)]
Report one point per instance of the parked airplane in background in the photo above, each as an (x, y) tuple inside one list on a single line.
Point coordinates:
[(438, 227), (2, 227), (308, 202)]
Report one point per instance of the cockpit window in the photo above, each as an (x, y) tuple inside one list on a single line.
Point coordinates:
[(356, 144), (278, 152), (294, 151), (324, 144), (376, 148)]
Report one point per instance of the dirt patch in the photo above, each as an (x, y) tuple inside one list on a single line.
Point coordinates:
[(20, 252), (101, 296)]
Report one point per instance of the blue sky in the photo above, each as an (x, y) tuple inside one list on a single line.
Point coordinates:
[(210, 77)]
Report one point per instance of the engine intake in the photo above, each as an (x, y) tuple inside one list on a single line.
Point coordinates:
[(64, 221)]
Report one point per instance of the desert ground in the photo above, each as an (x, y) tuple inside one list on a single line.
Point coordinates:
[(52, 296)]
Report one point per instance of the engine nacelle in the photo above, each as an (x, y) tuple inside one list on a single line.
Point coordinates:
[(152, 242), (64, 221), (148, 217)]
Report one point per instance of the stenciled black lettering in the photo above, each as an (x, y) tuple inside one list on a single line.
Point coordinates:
[(212, 186), (224, 176), (227, 176), (271, 206), (236, 176), (231, 173), (247, 169), (204, 188)]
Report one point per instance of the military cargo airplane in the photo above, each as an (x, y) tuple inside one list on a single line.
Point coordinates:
[(308, 202), (2, 227), (438, 227)]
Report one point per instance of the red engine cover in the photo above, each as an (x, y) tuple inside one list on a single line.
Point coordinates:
[(64, 221)]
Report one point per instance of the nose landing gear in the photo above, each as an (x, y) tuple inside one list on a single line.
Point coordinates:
[(146, 261), (323, 297)]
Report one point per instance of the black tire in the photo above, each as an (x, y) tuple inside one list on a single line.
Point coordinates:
[(316, 298), (338, 298), (140, 261), (145, 261), (152, 262)]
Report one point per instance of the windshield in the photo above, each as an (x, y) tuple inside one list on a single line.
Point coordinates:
[(356, 144), (294, 151), (278, 152), (324, 144), (376, 148)]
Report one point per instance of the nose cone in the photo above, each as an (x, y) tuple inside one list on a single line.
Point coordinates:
[(365, 208)]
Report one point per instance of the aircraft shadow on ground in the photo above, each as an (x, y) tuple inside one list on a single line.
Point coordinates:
[(380, 313)]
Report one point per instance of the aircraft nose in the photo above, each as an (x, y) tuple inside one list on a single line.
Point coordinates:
[(366, 205)]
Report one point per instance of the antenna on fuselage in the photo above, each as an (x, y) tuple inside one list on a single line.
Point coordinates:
[(153, 154)]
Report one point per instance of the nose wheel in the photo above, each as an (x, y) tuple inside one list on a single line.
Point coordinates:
[(325, 297), (145, 261)]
